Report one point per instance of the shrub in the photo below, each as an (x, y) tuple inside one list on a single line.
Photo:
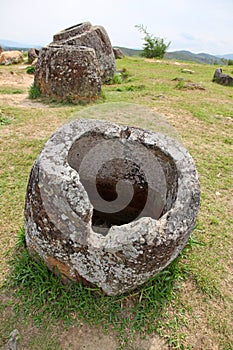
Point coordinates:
[(30, 69), (153, 47), (116, 79), (34, 92)]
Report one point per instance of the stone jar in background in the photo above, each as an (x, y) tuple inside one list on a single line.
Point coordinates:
[(96, 37), (77, 62), (68, 73)]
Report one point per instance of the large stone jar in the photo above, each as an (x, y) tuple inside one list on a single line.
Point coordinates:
[(110, 205), (95, 37), (68, 73)]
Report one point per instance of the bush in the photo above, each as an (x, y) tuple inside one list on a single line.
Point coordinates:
[(34, 92), (230, 62), (30, 69), (116, 79), (153, 47)]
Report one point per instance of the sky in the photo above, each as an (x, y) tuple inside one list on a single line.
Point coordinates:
[(193, 25)]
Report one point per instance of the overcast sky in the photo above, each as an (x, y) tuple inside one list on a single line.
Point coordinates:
[(194, 25)]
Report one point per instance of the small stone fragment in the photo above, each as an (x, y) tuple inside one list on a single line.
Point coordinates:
[(12, 342)]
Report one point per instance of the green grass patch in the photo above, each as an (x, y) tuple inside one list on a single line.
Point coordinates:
[(42, 296), (10, 91), (34, 92), (5, 119), (30, 69)]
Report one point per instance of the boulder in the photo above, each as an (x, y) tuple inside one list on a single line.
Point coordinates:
[(188, 71), (1, 50), (221, 78), (32, 55), (118, 53), (110, 205), (68, 73), (11, 57), (95, 37)]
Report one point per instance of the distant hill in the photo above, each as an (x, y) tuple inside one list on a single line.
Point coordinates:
[(129, 52), (13, 45), (194, 57), (182, 56), (175, 55), (228, 56)]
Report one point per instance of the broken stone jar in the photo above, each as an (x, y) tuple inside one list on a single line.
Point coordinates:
[(110, 205)]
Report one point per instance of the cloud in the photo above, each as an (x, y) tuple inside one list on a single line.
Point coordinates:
[(194, 25), (188, 36)]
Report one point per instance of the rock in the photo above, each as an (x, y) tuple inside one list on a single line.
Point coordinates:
[(221, 78), (94, 37), (32, 55), (179, 79), (189, 71), (110, 205), (1, 50), (11, 57), (12, 342), (68, 73), (118, 53), (193, 86)]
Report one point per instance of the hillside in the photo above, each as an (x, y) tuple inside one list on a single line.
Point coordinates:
[(198, 58), (228, 56), (14, 45), (183, 55)]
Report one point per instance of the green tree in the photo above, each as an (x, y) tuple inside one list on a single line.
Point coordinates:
[(154, 47)]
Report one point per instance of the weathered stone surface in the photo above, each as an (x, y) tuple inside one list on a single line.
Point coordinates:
[(118, 53), (11, 57), (12, 342), (32, 55), (1, 50), (110, 205), (68, 73), (70, 32), (188, 71), (95, 37), (221, 78)]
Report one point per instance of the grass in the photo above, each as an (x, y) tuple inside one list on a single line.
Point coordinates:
[(30, 69), (4, 119), (190, 304), (41, 293), (10, 90)]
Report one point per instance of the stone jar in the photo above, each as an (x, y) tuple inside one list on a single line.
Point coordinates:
[(68, 73), (95, 37), (110, 205)]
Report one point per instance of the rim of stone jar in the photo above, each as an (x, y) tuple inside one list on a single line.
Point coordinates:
[(188, 182)]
